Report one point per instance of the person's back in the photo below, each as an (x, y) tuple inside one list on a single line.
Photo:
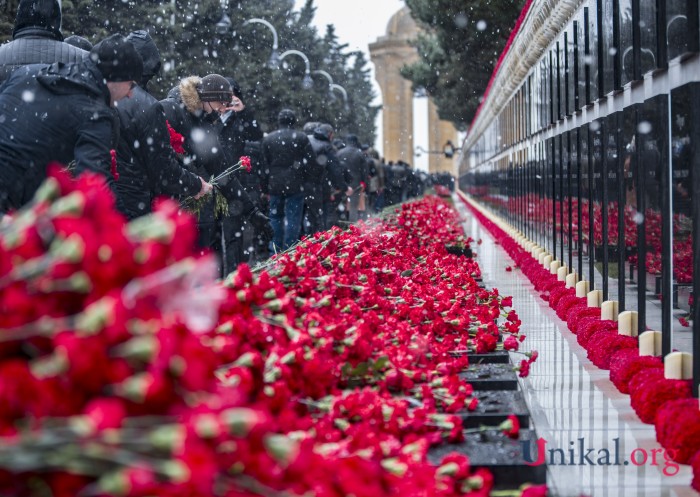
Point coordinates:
[(37, 38), (355, 161), (147, 164), (288, 153), (61, 113), (317, 187)]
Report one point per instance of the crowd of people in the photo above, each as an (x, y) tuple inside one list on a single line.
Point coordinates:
[(89, 108)]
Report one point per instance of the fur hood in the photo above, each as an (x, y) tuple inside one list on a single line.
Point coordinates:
[(188, 94)]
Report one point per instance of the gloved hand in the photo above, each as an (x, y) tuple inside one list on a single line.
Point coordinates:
[(262, 225)]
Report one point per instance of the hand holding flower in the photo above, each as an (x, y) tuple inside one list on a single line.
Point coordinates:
[(206, 189)]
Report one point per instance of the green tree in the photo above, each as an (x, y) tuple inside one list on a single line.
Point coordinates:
[(186, 34), (458, 49)]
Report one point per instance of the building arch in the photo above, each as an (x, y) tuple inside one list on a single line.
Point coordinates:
[(390, 53)]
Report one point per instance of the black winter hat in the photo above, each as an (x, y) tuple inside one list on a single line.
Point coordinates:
[(286, 117), (324, 131), (214, 88), (39, 14), (79, 41), (309, 127), (147, 49), (117, 59), (236, 88), (353, 141)]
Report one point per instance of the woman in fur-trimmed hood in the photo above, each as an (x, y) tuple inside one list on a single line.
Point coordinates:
[(193, 110)]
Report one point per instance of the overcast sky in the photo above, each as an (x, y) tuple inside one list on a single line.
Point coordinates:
[(359, 23)]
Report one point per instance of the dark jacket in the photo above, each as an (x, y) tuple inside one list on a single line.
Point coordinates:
[(331, 175), (53, 113), (147, 163), (355, 162), (36, 38), (205, 154), (288, 154), (238, 129), (239, 134)]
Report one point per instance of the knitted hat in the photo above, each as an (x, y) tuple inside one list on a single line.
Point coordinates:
[(286, 117), (117, 59), (214, 88), (39, 14)]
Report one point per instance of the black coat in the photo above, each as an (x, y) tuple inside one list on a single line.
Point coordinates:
[(147, 163), (36, 45), (240, 135), (354, 161), (240, 128), (53, 113), (332, 175), (289, 155)]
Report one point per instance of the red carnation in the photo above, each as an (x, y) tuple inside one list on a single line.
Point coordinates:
[(626, 363), (695, 464), (535, 491), (511, 426), (604, 344), (511, 343), (113, 164), (176, 140), (245, 162), (678, 428), (650, 394), (524, 368)]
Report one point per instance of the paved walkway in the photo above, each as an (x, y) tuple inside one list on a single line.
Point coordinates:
[(573, 403)]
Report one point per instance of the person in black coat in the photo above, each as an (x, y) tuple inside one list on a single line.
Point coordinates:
[(322, 182), (61, 113), (146, 162), (239, 134), (288, 154), (193, 111), (37, 38), (354, 161)]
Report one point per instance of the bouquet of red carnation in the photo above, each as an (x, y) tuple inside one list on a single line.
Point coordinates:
[(551, 284), (603, 345), (566, 303), (626, 363), (557, 293), (649, 390), (590, 326), (678, 428), (579, 312)]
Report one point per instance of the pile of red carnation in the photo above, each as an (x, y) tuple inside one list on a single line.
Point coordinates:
[(656, 400), (126, 369)]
